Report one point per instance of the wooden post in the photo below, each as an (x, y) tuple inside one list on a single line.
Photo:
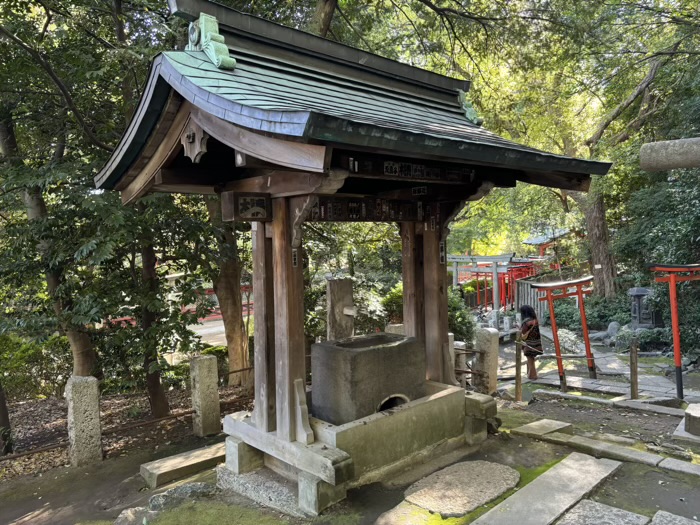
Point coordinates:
[(263, 315), (584, 324), (289, 318), (412, 273), (634, 369), (435, 284), (676, 335), (518, 370), (555, 336)]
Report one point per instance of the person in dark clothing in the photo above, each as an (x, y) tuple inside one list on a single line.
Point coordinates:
[(530, 338)]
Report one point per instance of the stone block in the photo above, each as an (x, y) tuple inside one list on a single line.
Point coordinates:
[(480, 405), (537, 429), (609, 450), (475, 430), (353, 377), (84, 430), (558, 438), (648, 407), (692, 419), (316, 495), (681, 434), (589, 512), (486, 345), (545, 499), (162, 471), (241, 457), (397, 329), (206, 420), (678, 465), (666, 518)]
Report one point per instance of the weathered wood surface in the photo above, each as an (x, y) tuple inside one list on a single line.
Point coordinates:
[(289, 317), (331, 464), (435, 284), (412, 274), (265, 396)]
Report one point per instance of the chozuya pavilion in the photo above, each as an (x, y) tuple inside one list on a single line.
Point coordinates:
[(288, 128)]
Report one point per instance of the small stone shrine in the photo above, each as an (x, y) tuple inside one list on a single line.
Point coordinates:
[(287, 128)]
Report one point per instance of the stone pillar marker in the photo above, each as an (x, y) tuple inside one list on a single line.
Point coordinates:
[(84, 430), (692, 419), (338, 299), (206, 420), (486, 344)]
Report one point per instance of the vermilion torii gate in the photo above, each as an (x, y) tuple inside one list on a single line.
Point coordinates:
[(288, 128)]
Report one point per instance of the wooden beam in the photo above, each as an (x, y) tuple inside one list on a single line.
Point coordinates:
[(263, 296), (307, 157), (289, 317), (435, 283), (412, 273), (285, 183), (168, 148)]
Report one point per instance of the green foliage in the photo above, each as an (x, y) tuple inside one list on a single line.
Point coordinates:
[(649, 340), (600, 311), (33, 369), (567, 314), (221, 354), (392, 303), (459, 317)]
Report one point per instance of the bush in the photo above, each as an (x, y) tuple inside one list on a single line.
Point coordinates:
[(393, 304), (33, 369), (567, 315), (600, 311), (649, 340), (221, 354), (459, 317), (175, 376)]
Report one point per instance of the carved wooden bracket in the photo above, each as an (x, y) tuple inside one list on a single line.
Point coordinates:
[(303, 431), (194, 140)]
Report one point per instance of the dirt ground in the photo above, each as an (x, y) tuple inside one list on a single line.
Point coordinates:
[(43, 422)]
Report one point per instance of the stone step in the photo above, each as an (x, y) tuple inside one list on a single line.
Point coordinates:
[(549, 496), (162, 471), (613, 451)]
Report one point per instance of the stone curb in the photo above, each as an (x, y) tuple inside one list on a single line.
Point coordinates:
[(562, 395), (646, 407), (612, 451)]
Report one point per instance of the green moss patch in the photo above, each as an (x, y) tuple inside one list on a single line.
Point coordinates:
[(216, 513)]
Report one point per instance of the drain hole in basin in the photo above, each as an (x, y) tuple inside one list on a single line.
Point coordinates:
[(392, 402)]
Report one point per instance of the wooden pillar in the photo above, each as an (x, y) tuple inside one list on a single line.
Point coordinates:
[(289, 318), (264, 316), (412, 272), (435, 284)]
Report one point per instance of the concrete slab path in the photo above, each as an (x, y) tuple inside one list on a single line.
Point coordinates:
[(589, 512)]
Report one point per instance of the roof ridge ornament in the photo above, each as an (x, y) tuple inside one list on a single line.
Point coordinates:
[(204, 36), (468, 108)]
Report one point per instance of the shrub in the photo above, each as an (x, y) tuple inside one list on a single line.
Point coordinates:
[(649, 340), (221, 354), (459, 317), (567, 314), (393, 304), (600, 311)]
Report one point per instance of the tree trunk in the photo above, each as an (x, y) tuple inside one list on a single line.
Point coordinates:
[(149, 277), (84, 356), (598, 238), (5, 428), (321, 22), (227, 286)]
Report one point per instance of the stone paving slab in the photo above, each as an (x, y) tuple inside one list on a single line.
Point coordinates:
[(546, 498), (162, 471), (461, 488), (558, 438), (678, 465), (589, 512), (573, 397), (646, 407), (666, 518), (612, 451), (536, 429)]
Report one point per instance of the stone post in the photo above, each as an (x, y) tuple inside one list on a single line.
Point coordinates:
[(486, 345), (692, 419), (338, 299), (206, 420), (395, 329), (84, 431)]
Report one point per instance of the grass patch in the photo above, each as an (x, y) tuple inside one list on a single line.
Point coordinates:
[(215, 513), (514, 418)]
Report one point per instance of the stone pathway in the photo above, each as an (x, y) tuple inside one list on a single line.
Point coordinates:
[(609, 363), (589, 512)]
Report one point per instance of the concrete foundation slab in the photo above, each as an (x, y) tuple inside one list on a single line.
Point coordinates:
[(546, 498), (678, 465), (602, 449), (162, 471), (461, 488), (589, 512), (666, 518), (536, 429)]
